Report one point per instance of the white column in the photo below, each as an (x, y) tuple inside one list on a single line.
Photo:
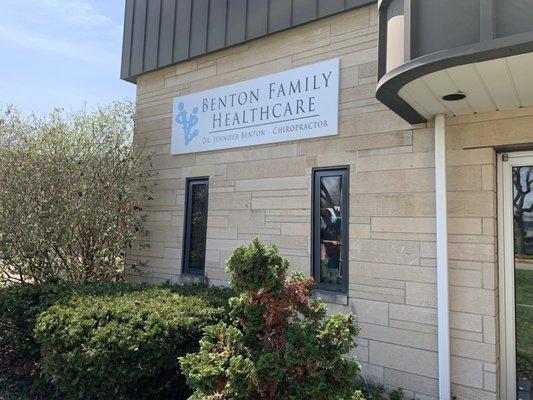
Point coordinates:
[(442, 258)]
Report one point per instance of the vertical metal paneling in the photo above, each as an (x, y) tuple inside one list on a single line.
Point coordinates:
[(257, 18), (200, 15), (486, 20), (236, 27), (182, 30), (151, 46), (328, 7), (408, 15), (513, 17), (126, 43), (355, 3), (166, 33), (158, 33), (280, 14), (138, 37), (216, 30), (382, 44), (435, 17), (303, 11)]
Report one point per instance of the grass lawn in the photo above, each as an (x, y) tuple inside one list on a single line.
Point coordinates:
[(524, 322)]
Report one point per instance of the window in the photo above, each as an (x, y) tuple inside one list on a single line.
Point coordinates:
[(195, 233), (330, 228)]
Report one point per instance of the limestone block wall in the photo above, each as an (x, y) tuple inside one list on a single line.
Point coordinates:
[(265, 191)]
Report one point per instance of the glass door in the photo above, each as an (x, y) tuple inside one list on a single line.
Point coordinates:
[(516, 273)]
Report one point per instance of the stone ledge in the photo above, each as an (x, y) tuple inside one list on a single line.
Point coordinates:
[(190, 278), (331, 297)]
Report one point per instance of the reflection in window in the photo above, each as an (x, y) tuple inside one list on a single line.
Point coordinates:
[(195, 226), (330, 220), (523, 255)]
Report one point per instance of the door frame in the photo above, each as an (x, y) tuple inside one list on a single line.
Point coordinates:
[(506, 162)]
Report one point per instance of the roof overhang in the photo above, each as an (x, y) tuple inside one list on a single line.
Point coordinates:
[(494, 75)]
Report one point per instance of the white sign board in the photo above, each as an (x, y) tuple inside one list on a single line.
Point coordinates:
[(297, 104)]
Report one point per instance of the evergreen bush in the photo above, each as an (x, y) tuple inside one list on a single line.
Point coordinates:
[(103, 340), (279, 343), (20, 305)]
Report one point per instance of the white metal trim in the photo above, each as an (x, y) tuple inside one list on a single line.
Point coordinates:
[(442, 258), (501, 284)]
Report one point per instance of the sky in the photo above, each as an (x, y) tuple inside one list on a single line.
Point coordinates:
[(61, 53)]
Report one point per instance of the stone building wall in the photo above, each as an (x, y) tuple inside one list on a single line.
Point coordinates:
[(265, 191)]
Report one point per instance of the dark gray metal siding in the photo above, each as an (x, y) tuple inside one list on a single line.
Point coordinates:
[(159, 33), (166, 33), (513, 17), (442, 25)]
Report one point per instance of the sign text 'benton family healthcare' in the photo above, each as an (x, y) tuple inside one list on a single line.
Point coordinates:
[(297, 104)]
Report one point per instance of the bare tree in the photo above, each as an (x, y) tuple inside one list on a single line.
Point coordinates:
[(70, 194), (523, 185)]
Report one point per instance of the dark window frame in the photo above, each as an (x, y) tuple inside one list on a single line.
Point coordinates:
[(317, 173), (190, 183)]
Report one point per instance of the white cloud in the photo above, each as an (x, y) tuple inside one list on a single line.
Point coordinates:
[(77, 12), (29, 40), (61, 53), (74, 12), (70, 28)]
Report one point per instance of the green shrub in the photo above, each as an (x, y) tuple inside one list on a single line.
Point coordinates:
[(21, 305), (371, 391), (397, 394), (124, 346), (279, 345)]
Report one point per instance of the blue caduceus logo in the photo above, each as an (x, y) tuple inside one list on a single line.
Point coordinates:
[(187, 122)]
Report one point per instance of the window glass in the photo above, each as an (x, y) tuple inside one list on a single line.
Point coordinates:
[(195, 226), (330, 229)]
